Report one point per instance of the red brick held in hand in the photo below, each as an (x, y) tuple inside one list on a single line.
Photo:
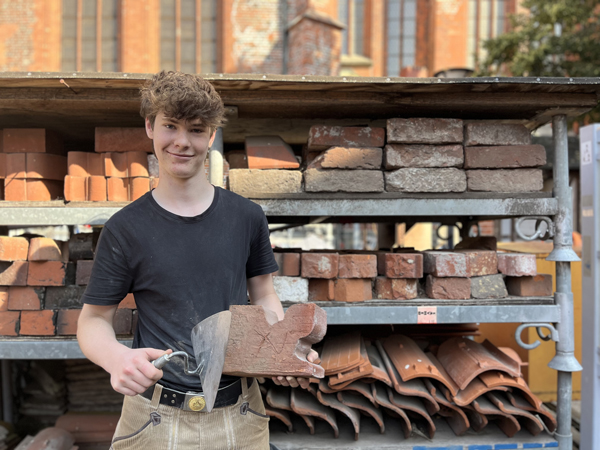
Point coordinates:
[(32, 140), (37, 323), (357, 266), (9, 321), (517, 264), (66, 323), (48, 273), (13, 248), (25, 298), (352, 290), (122, 139), (14, 273), (535, 286), (321, 290), (445, 264), (44, 249), (128, 302), (96, 189), (320, 265), (75, 189), (83, 272), (448, 288), (400, 265), (290, 264)]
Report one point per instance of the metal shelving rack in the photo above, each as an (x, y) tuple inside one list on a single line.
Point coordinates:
[(288, 106)]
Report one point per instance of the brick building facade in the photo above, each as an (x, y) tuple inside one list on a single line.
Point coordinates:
[(317, 37)]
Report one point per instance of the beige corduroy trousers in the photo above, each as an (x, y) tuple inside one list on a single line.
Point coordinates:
[(147, 425)]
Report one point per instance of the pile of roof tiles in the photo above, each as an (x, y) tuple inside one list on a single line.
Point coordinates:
[(89, 388), (467, 383)]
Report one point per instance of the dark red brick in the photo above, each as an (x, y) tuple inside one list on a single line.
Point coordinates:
[(47, 273), (9, 323), (352, 290), (400, 265), (357, 266), (13, 273), (25, 298), (448, 288), (37, 323), (321, 290), (84, 271), (66, 323), (536, 286)]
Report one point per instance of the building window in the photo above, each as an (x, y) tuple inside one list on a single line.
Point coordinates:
[(487, 20), (188, 35), (352, 14), (90, 35), (401, 35)]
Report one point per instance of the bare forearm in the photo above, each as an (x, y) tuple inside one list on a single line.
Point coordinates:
[(271, 302)]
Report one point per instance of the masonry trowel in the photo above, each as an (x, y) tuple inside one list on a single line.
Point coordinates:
[(209, 342)]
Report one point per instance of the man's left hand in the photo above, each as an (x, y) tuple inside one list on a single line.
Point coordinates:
[(297, 381)]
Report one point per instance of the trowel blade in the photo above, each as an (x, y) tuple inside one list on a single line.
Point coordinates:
[(209, 340)]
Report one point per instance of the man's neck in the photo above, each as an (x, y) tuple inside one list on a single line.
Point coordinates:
[(187, 198)]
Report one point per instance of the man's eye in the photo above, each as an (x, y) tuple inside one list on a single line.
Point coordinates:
[(198, 130)]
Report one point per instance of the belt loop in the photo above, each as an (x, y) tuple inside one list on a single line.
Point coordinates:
[(244, 387), (156, 395)]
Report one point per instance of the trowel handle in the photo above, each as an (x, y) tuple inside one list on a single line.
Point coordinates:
[(160, 362)]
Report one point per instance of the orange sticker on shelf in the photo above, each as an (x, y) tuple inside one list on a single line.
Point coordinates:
[(427, 314)]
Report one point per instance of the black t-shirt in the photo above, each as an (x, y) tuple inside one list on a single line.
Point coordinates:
[(180, 270)]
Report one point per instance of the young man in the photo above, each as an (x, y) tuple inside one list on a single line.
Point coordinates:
[(186, 250)]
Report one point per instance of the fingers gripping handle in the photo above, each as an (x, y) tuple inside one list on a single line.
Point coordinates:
[(164, 359)]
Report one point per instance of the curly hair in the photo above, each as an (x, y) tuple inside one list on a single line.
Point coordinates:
[(182, 96)]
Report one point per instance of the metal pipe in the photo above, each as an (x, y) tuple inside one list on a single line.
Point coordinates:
[(215, 161), (7, 400)]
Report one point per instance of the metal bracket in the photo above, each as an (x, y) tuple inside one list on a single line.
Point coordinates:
[(538, 230), (553, 334), (441, 238)]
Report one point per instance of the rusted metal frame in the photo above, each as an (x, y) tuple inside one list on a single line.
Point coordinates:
[(198, 30), (78, 35), (99, 35), (177, 34)]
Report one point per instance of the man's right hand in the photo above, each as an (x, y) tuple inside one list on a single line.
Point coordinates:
[(131, 371)]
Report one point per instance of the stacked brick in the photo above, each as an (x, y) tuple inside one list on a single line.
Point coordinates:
[(32, 164), (40, 289), (407, 274), (421, 155)]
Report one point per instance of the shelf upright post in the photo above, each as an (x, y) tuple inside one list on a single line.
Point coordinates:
[(564, 362), (215, 160)]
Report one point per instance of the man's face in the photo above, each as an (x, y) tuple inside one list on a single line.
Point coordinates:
[(181, 146)]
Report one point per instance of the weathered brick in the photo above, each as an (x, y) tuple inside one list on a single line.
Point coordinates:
[(446, 264), (317, 180), (9, 322), (4, 298), (396, 288), (44, 249), (352, 290), (426, 180), (37, 323), (76, 188), (400, 265), (13, 248), (477, 243), (122, 321), (128, 302), (319, 265), (536, 286), (505, 180), (63, 297), (13, 273), (291, 289), (348, 158), (448, 288), (247, 181), (357, 266), (424, 131), (47, 273), (398, 156), (321, 290), (138, 187), (23, 298), (117, 189), (249, 353), (96, 189), (489, 286), (480, 262), (66, 322), (321, 137), (237, 159), (517, 264), (32, 140), (290, 265), (505, 157), (494, 133), (85, 164), (269, 152), (122, 140), (83, 272)]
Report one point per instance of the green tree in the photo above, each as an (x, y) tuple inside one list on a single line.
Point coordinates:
[(557, 38)]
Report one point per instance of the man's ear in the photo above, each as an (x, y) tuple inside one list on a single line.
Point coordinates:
[(149, 130), (212, 138)]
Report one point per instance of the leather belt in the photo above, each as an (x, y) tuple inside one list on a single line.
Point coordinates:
[(194, 401)]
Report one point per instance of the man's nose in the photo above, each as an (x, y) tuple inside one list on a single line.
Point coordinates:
[(181, 139)]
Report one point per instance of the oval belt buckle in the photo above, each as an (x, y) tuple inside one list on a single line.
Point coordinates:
[(196, 403)]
